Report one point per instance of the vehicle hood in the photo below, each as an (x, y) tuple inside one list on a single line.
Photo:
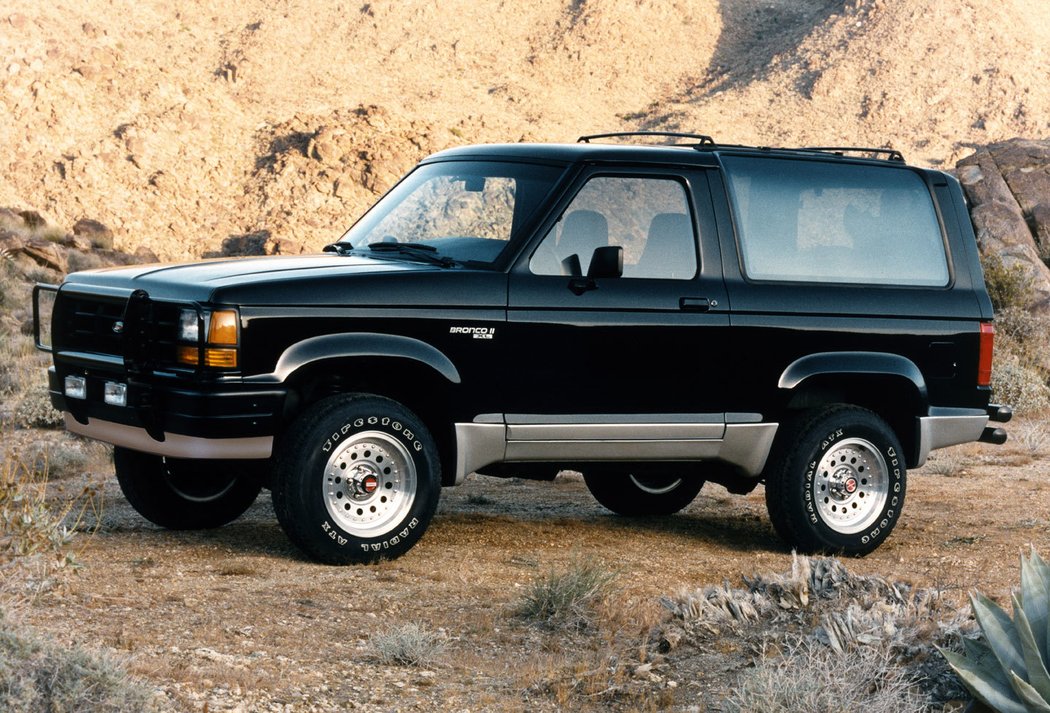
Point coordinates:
[(229, 279)]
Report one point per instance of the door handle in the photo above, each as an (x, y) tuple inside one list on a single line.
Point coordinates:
[(697, 304)]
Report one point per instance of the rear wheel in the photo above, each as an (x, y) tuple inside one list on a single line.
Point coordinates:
[(838, 482), (634, 493), (357, 480), (182, 494)]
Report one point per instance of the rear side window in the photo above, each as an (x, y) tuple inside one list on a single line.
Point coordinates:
[(814, 221)]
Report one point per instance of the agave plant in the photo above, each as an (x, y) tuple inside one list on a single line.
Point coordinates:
[(1008, 670)]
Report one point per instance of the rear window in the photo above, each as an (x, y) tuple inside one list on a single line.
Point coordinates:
[(815, 221)]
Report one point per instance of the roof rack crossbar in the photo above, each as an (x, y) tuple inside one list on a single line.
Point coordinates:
[(891, 154), (702, 139)]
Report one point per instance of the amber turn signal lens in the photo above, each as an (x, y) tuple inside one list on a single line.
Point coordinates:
[(221, 358), (186, 355), (223, 329)]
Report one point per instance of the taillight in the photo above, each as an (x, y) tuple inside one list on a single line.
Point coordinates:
[(984, 361)]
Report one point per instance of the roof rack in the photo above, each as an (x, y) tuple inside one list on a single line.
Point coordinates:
[(702, 139), (890, 154)]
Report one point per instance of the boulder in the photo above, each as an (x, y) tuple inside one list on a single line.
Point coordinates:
[(46, 253), (1008, 188), (281, 246), (32, 219), (97, 233)]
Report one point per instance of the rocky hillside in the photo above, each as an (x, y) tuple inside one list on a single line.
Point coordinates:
[(1008, 185), (194, 128)]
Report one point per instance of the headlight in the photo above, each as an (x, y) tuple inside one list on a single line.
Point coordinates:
[(189, 326), (220, 350)]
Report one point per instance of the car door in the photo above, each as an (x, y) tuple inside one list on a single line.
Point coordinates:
[(628, 351)]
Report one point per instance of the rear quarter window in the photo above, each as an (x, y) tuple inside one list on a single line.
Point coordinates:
[(822, 221)]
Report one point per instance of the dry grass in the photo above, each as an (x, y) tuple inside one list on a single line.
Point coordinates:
[(814, 678), (568, 599), (1032, 436), (38, 675), (408, 645)]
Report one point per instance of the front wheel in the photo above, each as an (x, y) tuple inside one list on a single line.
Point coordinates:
[(187, 494), (357, 480), (838, 484), (634, 494)]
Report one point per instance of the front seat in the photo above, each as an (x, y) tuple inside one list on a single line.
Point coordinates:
[(582, 232), (669, 251)]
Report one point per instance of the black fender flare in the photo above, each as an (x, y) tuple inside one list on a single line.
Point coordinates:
[(854, 363), (361, 344)]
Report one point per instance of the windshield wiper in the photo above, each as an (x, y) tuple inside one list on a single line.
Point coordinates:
[(426, 253), (341, 248)]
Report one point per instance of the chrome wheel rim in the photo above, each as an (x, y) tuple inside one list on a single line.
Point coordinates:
[(655, 484), (369, 483), (850, 486)]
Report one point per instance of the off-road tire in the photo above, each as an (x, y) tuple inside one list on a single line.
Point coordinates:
[(641, 494), (836, 480), (357, 480), (182, 494)]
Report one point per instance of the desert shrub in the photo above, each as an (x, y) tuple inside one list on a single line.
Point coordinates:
[(893, 626), (28, 525), (567, 599), (40, 676), (22, 368), (1023, 387), (35, 411), (36, 532), (408, 645), (83, 261), (1013, 325), (1033, 436), (811, 677), (58, 460), (1009, 286)]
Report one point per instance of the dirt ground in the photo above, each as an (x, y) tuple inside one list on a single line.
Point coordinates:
[(237, 619)]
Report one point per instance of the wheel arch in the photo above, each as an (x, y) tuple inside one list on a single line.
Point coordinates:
[(888, 384), (363, 344), (407, 370)]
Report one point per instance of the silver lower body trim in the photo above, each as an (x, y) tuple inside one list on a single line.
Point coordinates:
[(174, 445), (744, 445), (945, 430)]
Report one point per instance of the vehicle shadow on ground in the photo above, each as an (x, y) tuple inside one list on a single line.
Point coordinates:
[(739, 531)]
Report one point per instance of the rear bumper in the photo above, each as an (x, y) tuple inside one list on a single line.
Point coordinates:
[(952, 426)]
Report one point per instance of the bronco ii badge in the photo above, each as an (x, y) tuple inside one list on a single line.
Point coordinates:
[(478, 332)]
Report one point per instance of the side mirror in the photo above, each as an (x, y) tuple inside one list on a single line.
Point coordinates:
[(607, 261)]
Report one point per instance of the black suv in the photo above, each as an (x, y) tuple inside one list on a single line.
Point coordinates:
[(655, 317)]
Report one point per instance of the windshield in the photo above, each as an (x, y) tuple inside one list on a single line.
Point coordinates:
[(462, 211)]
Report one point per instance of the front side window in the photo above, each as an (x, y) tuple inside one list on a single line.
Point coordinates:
[(648, 217), (466, 211), (818, 221)]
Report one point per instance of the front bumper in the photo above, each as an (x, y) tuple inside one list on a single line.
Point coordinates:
[(221, 420)]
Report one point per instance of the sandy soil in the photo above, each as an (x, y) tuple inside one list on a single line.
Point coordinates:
[(236, 619)]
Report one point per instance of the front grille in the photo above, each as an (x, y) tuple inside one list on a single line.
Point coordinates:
[(92, 325), (104, 325)]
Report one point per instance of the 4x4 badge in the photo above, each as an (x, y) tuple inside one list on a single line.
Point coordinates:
[(477, 332)]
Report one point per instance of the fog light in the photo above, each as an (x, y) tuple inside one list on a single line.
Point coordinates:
[(76, 387), (115, 394)]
